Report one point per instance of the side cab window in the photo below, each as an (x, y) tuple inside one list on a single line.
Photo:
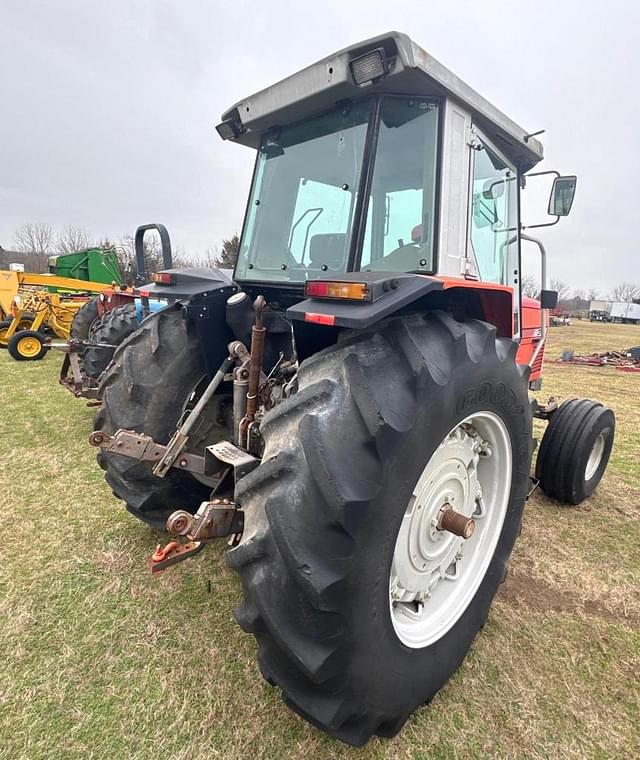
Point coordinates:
[(493, 216)]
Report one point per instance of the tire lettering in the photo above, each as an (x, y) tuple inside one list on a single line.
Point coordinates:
[(497, 394)]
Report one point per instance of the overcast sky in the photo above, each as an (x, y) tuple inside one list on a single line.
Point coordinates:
[(107, 108)]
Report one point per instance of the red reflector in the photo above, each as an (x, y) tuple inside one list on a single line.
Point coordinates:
[(320, 319), (144, 293), (163, 278)]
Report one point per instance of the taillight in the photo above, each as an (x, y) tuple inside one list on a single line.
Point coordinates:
[(348, 291), (164, 278)]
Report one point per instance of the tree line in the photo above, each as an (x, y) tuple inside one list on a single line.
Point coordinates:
[(35, 242), (577, 298)]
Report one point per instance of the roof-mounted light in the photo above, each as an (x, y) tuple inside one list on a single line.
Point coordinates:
[(369, 67), (228, 130), (347, 291)]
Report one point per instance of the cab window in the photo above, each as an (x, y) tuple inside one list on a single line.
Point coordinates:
[(399, 233), (494, 216)]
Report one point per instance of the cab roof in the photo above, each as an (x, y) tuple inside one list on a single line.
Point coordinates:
[(410, 70)]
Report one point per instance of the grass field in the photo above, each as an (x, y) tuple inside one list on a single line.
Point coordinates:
[(100, 660)]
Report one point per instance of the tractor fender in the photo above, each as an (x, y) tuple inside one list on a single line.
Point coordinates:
[(189, 283), (202, 294), (389, 292), (318, 321)]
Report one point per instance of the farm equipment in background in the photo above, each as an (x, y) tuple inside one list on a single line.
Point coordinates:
[(48, 302), (352, 409), (112, 317), (96, 265), (93, 264), (37, 304), (627, 360)]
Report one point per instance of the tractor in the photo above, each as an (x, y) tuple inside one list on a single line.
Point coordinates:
[(351, 409), (105, 322)]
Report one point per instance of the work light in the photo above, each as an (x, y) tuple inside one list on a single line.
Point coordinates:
[(368, 67)]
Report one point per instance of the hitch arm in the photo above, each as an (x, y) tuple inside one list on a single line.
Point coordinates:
[(180, 438), (139, 446)]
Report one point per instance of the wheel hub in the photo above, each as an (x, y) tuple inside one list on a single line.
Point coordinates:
[(28, 347), (466, 479), (595, 457)]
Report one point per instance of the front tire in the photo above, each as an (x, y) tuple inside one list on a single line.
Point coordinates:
[(324, 510), (27, 346), (575, 450)]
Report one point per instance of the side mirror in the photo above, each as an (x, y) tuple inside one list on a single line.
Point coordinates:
[(562, 194)]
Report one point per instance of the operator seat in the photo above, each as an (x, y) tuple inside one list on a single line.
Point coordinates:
[(328, 250)]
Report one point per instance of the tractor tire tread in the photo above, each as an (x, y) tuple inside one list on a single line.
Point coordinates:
[(303, 556)]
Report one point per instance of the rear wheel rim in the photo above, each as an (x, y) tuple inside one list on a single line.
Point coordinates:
[(436, 574), (595, 457), (29, 347)]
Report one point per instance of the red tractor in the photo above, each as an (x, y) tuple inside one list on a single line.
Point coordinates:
[(352, 407)]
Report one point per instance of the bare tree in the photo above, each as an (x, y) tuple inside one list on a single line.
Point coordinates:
[(530, 286), (561, 288), (593, 294), (227, 258), (72, 239), (33, 237), (625, 291), (35, 240)]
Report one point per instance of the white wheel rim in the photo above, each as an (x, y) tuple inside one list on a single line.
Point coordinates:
[(595, 457), (435, 574)]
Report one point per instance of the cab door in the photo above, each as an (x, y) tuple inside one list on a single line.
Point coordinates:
[(493, 240)]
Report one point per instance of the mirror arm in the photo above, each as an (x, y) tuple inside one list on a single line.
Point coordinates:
[(555, 172), (543, 284), (545, 224)]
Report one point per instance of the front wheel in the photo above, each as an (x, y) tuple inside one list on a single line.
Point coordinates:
[(27, 345), (362, 598)]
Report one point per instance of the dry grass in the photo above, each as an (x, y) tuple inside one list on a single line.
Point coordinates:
[(99, 660)]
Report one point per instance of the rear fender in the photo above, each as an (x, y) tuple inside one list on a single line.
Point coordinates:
[(202, 296), (317, 323)]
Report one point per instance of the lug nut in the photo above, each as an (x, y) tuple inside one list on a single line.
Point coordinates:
[(454, 522)]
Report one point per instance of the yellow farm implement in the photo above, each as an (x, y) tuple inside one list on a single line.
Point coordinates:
[(32, 305)]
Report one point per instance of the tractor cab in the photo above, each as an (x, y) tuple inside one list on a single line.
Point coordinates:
[(378, 158)]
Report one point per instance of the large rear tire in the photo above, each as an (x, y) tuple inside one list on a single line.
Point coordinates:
[(326, 511), (114, 328), (145, 389)]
